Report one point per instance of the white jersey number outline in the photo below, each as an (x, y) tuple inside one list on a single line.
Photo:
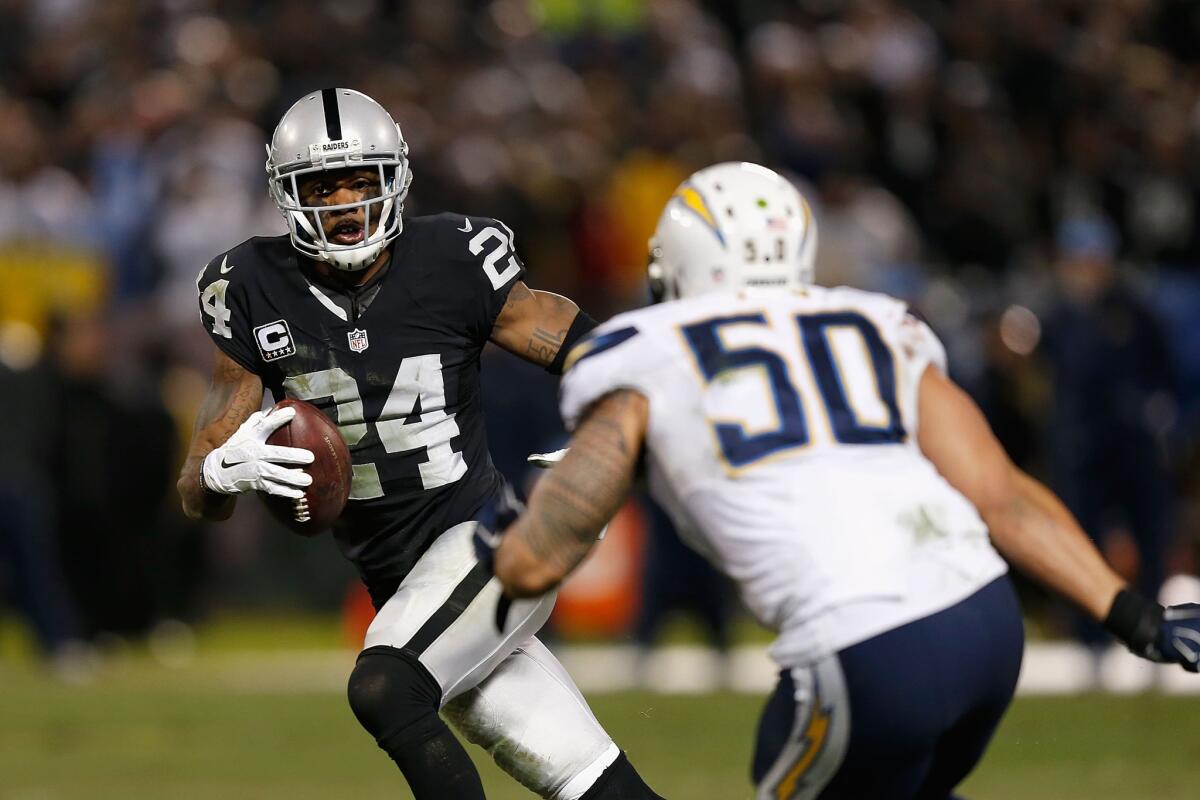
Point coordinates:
[(212, 300), (418, 378), (476, 244), (848, 423)]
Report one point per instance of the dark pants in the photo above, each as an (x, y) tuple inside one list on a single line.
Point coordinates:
[(676, 577), (905, 715), (29, 564)]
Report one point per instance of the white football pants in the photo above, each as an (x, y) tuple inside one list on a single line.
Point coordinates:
[(504, 691)]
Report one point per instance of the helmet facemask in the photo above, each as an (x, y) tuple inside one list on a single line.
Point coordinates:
[(382, 220)]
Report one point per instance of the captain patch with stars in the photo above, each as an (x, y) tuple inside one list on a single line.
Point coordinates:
[(394, 362)]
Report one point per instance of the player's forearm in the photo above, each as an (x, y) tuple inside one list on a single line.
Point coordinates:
[(1035, 532), (575, 499), (197, 502), (525, 573), (569, 506), (232, 397)]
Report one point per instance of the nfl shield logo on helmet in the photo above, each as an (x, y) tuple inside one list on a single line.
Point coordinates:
[(358, 340)]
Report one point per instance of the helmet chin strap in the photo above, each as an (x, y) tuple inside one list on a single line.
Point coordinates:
[(354, 260), (357, 257)]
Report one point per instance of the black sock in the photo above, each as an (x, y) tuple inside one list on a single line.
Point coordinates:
[(620, 782), (396, 700), (436, 766)]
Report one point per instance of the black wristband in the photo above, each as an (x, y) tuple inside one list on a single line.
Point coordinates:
[(207, 493), (581, 326), (1134, 620)]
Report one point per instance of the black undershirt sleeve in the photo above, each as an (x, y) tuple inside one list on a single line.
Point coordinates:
[(581, 326)]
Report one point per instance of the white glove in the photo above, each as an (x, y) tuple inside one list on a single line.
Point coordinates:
[(247, 463), (546, 460)]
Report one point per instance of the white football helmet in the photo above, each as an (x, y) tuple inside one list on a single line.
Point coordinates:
[(334, 129), (730, 226)]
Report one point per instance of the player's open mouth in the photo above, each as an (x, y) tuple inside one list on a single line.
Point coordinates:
[(347, 232)]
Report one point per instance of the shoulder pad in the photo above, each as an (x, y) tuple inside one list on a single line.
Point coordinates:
[(240, 264), (623, 353), (463, 268), (598, 342), (450, 228)]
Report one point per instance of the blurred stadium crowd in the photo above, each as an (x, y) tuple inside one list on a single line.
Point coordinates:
[(1023, 171)]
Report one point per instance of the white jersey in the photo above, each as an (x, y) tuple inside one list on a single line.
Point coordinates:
[(782, 440)]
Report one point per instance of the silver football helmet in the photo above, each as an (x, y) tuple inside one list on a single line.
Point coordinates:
[(729, 226), (335, 129)]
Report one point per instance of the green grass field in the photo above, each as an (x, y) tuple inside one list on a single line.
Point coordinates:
[(141, 731)]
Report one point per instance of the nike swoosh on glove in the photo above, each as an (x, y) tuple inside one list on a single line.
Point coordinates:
[(247, 463)]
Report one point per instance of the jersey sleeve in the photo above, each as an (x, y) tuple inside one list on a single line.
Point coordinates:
[(617, 355), (920, 344), (476, 268), (224, 314)]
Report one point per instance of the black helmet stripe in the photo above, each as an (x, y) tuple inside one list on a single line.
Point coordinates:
[(333, 117)]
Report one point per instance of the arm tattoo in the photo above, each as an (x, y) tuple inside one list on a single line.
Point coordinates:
[(232, 397), (228, 398), (533, 325), (544, 345), (575, 499)]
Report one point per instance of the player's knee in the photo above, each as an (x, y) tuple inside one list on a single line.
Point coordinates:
[(394, 698)]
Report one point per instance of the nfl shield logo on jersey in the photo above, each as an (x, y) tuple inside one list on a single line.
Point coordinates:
[(358, 340)]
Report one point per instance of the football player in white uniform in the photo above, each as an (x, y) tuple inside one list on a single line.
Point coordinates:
[(808, 441)]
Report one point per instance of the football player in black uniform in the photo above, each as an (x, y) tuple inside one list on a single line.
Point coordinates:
[(379, 321)]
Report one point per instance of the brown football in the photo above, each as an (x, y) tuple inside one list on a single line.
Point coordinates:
[(326, 496)]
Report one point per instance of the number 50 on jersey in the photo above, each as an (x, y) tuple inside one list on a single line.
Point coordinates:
[(851, 366)]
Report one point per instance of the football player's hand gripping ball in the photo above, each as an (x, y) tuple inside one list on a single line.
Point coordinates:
[(1168, 635), (247, 463)]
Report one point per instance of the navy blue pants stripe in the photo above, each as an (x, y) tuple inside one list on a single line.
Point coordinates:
[(924, 701)]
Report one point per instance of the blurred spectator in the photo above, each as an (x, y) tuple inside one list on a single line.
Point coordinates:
[(1010, 391), (677, 579), (111, 462), (38, 198), (988, 121), (1114, 402), (521, 412), (30, 578), (867, 239)]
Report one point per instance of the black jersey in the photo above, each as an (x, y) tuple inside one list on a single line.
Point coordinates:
[(400, 378)]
